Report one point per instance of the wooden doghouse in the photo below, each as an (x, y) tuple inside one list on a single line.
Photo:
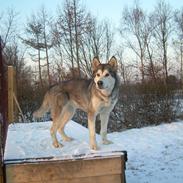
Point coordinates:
[(65, 166), (97, 169)]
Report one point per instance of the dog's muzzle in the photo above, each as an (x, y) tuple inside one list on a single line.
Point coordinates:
[(100, 84)]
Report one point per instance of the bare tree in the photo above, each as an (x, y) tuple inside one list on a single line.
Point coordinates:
[(8, 22), (163, 17), (46, 35), (125, 69), (91, 44), (78, 37), (12, 50), (72, 24), (135, 23), (151, 66), (121, 65), (109, 38), (179, 24), (97, 41), (76, 30), (95, 38), (33, 40), (65, 30), (38, 38)]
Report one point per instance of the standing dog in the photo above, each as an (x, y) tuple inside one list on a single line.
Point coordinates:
[(95, 96)]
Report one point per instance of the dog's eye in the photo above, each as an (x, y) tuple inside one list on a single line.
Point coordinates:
[(107, 74), (98, 75)]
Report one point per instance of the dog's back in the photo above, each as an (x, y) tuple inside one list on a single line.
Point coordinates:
[(76, 90)]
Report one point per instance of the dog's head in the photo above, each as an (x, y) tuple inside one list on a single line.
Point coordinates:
[(105, 74)]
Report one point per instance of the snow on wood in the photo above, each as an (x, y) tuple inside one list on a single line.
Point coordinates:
[(29, 141)]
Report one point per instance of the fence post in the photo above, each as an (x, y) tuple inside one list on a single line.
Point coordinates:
[(11, 93)]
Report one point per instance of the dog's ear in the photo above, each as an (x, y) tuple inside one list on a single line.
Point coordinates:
[(95, 63), (113, 63)]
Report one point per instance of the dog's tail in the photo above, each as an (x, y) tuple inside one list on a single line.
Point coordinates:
[(43, 109)]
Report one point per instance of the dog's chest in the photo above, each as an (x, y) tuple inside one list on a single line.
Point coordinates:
[(109, 105), (105, 104)]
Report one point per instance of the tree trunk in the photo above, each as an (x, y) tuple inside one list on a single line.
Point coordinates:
[(151, 63), (76, 38), (47, 59), (39, 66), (165, 61), (142, 64)]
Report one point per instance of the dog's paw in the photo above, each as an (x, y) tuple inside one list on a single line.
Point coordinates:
[(94, 147), (107, 142), (68, 139), (57, 144)]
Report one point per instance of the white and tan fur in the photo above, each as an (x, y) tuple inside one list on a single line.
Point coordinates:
[(96, 96)]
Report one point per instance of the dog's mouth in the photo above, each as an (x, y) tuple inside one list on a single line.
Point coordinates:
[(99, 87)]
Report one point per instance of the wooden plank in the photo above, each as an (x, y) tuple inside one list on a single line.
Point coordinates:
[(98, 179), (81, 168), (23, 173), (65, 170)]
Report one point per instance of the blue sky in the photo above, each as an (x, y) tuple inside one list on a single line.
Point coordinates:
[(110, 9)]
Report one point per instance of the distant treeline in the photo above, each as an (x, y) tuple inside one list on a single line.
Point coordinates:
[(47, 48)]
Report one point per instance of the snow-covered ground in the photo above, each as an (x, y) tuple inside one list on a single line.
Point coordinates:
[(155, 154)]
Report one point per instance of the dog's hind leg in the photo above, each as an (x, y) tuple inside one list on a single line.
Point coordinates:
[(53, 132), (55, 113), (66, 116)]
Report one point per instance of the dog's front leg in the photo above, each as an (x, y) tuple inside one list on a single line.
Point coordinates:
[(104, 118), (91, 126)]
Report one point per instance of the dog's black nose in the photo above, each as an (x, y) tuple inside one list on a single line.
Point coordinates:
[(100, 83)]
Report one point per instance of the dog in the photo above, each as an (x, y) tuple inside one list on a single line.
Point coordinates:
[(96, 96)]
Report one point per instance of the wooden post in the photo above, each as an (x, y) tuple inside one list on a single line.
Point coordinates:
[(11, 92)]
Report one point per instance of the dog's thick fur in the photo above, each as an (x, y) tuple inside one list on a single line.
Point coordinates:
[(95, 96)]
